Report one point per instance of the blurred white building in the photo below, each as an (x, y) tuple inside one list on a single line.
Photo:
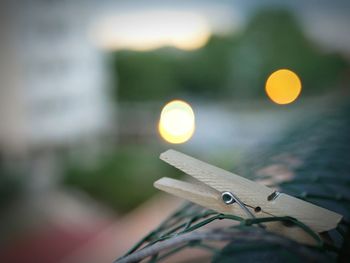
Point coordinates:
[(54, 80)]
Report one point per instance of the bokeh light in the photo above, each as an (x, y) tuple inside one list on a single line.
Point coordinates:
[(177, 122), (283, 86)]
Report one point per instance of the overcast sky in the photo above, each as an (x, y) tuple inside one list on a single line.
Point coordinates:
[(327, 22)]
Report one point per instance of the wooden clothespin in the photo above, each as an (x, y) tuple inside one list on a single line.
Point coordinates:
[(225, 192)]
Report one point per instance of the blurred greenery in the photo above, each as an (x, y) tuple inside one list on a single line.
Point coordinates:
[(11, 186), (273, 40), (123, 179), (230, 66)]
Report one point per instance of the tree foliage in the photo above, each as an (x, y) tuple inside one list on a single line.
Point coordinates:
[(229, 66)]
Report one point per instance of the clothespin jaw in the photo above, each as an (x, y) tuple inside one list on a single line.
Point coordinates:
[(257, 200)]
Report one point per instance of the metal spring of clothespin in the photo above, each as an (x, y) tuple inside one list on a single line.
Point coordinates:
[(229, 198)]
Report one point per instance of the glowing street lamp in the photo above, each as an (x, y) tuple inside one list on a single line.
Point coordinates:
[(283, 86), (177, 122)]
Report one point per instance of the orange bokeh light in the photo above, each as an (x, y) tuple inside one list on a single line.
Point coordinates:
[(283, 86)]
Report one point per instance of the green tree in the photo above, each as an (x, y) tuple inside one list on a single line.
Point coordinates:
[(272, 40), (231, 66)]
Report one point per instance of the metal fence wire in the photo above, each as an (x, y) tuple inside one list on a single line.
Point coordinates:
[(311, 162)]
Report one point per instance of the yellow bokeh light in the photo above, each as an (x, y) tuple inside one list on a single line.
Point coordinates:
[(177, 122), (283, 86)]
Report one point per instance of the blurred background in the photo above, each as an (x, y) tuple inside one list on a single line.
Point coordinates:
[(83, 85)]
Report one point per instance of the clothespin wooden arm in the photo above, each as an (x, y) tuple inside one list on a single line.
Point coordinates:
[(201, 195)]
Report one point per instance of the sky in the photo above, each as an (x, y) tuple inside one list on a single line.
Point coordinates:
[(326, 22)]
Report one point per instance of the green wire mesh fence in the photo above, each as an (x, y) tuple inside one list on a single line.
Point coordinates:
[(315, 156)]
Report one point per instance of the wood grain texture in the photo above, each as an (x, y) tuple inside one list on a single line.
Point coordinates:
[(250, 193), (210, 198), (203, 196)]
